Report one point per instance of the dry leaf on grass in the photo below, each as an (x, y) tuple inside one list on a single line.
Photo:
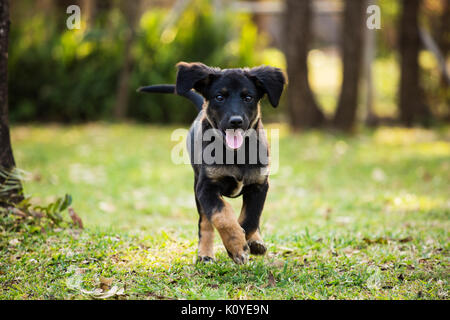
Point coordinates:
[(380, 240), (407, 239), (105, 283), (277, 263), (18, 212), (75, 218), (271, 280)]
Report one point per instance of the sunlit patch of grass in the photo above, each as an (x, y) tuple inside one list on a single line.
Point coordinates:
[(403, 136), (414, 202), (325, 76), (346, 217)]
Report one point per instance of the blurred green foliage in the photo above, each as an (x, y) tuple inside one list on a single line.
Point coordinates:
[(386, 40), (65, 75)]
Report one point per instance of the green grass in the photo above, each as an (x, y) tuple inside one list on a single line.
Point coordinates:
[(347, 217)]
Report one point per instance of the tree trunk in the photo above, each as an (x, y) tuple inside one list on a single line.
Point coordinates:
[(352, 51), (131, 12), (444, 45), (303, 109), (412, 102), (7, 163), (444, 29), (370, 118)]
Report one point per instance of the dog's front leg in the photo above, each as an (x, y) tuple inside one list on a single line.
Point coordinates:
[(254, 196), (205, 237), (221, 216)]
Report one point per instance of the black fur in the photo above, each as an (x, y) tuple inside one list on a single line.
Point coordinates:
[(170, 88), (228, 95)]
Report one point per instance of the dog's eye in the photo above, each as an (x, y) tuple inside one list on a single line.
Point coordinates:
[(220, 97), (248, 98)]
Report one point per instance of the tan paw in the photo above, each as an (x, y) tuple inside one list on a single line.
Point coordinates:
[(205, 259), (239, 256)]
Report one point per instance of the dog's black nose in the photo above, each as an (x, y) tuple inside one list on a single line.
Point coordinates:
[(236, 122)]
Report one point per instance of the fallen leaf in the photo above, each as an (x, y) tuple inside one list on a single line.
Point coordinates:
[(271, 280), (36, 177), (385, 266), (15, 257), (105, 283), (277, 263), (75, 218), (427, 176), (36, 214), (285, 250), (349, 251), (407, 239), (379, 240), (159, 297), (18, 212)]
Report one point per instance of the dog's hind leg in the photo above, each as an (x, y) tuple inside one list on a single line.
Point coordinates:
[(254, 197)]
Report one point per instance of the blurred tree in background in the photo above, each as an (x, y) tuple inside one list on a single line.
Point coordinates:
[(131, 12), (303, 109), (352, 54), (412, 103), (10, 186), (91, 74)]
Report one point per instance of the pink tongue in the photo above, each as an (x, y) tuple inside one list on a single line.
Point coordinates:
[(234, 138)]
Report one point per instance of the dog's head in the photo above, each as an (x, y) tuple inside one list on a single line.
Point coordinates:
[(232, 95)]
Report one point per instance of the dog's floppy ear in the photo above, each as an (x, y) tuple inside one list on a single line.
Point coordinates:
[(193, 76), (271, 80)]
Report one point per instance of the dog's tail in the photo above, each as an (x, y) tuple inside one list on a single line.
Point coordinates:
[(170, 88)]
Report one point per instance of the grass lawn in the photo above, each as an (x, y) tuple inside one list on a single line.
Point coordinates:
[(347, 217)]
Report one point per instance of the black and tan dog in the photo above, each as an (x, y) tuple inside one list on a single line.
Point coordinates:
[(228, 105)]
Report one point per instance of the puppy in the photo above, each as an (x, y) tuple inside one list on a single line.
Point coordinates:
[(232, 159)]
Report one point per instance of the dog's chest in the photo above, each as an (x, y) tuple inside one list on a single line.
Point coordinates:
[(233, 178), (236, 191)]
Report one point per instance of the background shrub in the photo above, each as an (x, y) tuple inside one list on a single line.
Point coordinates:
[(65, 75)]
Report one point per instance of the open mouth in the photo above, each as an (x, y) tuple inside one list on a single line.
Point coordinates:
[(234, 138)]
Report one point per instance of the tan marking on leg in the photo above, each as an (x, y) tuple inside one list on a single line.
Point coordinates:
[(206, 241), (232, 235), (255, 236)]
